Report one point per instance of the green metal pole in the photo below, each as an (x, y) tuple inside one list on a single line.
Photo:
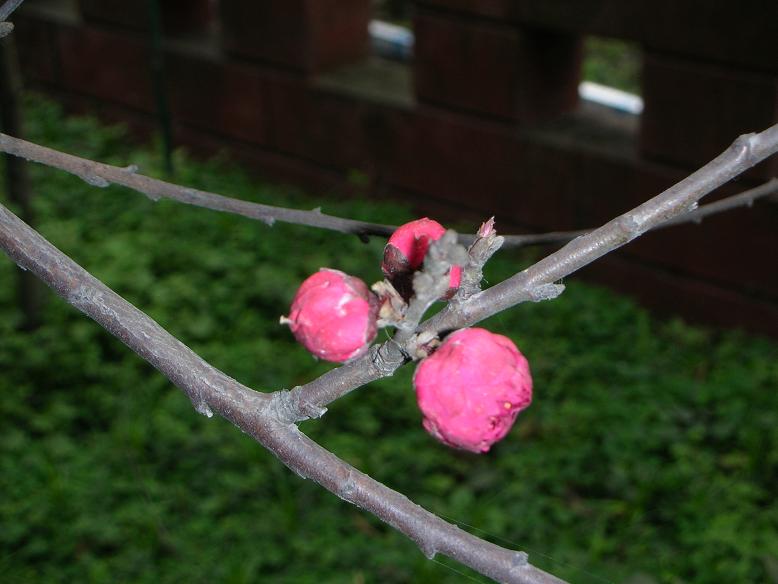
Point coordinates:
[(160, 86)]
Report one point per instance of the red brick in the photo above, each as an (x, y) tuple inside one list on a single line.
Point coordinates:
[(233, 101), (481, 166), (38, 55), (606, 17), (316, 124), (608, 186), (132, 15), (693, 110), (304, 35), (713, 251), (177, 15), (742, 34), (111, 66), (268, 164), (493, 69), (676, 294), (497, 9)]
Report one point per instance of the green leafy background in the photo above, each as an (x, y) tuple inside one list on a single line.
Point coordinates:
[(649, 455)]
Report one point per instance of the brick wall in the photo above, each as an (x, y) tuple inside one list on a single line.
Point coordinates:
[(485, 121)]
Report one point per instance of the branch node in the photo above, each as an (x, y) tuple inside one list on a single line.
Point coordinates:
[(382, 360), (348, 487), (427, 548), (94, 180), (546, 292), (631, 226), (487, 242), (745, 144), (289, 407), (519, 560), (83, 296), (6, 28), (202, 407)]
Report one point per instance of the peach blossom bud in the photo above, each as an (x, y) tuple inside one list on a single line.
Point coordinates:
[(472, 388), (333, 315), (404, 254), (487, 228)]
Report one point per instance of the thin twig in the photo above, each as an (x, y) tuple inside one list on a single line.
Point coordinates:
[(744, 199), (255, 413), (97, 173), (533, 283), (486, 244), (7, 9), (100, 174), (537, 282)]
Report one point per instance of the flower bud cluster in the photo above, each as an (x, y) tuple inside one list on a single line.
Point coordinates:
[(469, 390)]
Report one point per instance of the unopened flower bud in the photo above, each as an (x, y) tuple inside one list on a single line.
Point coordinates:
[(472, 388), (405, 251), (333, 315)]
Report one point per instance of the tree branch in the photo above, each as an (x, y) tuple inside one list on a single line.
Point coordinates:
[(101, 175), (255, 413), (745, 152), (744, 199), (486, 244), (7, 9), (537, 282)]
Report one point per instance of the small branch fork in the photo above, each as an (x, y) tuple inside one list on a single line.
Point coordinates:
[(269, 417), (102, 175)]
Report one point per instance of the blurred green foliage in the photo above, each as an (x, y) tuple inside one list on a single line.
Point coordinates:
[(650, 453), (612, 62)]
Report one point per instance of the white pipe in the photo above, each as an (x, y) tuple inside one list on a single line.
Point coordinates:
[(611, 97), (391, 41)]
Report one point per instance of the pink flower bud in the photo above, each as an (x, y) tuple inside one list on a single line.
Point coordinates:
[(472, 388), (333, 315), (404, 254), (487, 228)]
